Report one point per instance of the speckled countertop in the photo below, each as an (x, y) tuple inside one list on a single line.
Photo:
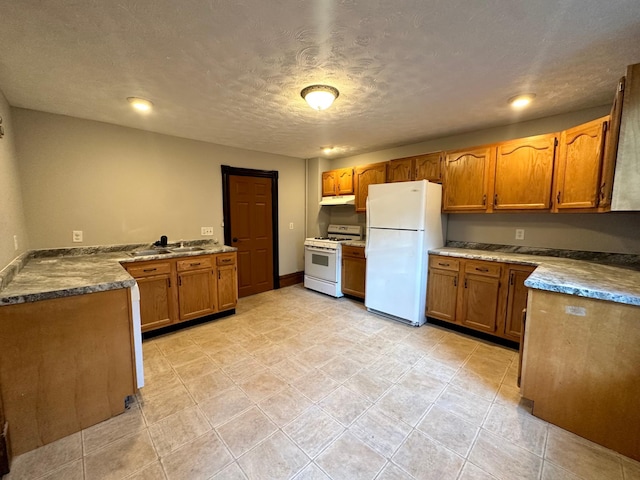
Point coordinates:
[(616, 283), (46, 274), (355, 243)]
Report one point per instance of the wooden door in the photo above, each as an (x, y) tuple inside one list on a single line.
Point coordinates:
[(466, 180), (480, 295), (251, 231), (344, 181), (400, 170), (227, 287), (611, 148), (364, 176), (196, 293), (329, 183), (354, 267), (524, 171), (577, 182), (442, 292), (516, 301), (429, 167), (155, 301)]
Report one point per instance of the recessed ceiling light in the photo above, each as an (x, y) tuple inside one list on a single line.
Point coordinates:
[(319, 97), (327, 150), (521, 101), (140, 104)]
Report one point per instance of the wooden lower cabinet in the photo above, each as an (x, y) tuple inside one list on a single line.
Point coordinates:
[(354, 268), (182, 289), (481, 295)]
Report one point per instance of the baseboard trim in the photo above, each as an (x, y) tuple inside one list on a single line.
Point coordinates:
[(291, 279)]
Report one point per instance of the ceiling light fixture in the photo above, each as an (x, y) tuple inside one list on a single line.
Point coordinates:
[(140, 104), (319, 97), (327, 150), (521, 101)]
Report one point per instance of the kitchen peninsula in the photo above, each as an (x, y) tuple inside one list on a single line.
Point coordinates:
[(70, 338)]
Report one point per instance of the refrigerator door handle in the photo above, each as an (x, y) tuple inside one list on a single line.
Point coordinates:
[(366, 244)]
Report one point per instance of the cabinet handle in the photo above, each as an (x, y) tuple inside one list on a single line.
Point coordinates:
[(149, 270), (219, 277), (465, 283), (225, 260), (443, 264), (511, 279), (194, 264), (168, 283), (179, 281), (495, 200), (558, 199), (482, 269), (455, 281), (484, 200)]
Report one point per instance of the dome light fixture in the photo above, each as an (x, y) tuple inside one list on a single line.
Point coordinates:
[(140, 104), (521, 101), (319, 97), (327, 150)]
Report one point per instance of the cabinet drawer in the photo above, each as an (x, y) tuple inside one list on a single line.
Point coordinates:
[(149, 269), (194, 263), (444, 263), (351, 251), (488, 269), (229, 259)]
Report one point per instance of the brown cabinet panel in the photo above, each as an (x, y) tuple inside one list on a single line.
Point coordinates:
[(400, 170), (466, 179), (194, 263), (611, 148), (337, 182), (577, 178), (196, 293), (429, 167), (444, 263), (227, 287), (479, 307), (354, 267), (524, 171), (364, 176), (156, 307), (442, 294), (516, 301), (148, 269)]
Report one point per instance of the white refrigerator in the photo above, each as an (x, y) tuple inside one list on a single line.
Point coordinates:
[(404, 221)]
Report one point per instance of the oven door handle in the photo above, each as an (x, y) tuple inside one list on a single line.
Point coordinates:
[(320, 249)]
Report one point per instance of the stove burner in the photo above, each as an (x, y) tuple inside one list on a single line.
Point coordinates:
[(321, 238)]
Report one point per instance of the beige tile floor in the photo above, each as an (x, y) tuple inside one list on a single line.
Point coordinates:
[(301, 385)]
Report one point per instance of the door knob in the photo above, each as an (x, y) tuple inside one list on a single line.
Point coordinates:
[(235, 239)]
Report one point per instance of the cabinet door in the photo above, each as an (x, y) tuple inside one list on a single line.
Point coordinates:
[(466, 180), (442, 292), (364, 176), (344, 181), (524, 171), (354, 267), (516, 301), (156, 293), (227, 287), (196, 293), (329, 183), (577, 182), (400, 170), (480, 295), (429, 167), (611, 149)]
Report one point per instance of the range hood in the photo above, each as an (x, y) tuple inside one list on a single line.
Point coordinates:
[(339, 200)]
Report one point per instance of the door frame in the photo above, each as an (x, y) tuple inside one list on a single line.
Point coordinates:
[(227, 171)]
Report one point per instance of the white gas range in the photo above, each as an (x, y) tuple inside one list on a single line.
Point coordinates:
[(323, 259)]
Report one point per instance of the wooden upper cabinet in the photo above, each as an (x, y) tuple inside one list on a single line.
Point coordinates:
[(401, 170), (466, 180), (524, 171), (429, 167), (577, 176), (337, 182), (611, 149), (422, 167), (364, 176)]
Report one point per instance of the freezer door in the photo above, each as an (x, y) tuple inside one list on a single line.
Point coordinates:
[(400, 205), (396, 274)]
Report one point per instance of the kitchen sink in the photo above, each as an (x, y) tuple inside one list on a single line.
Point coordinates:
[(153, 251), (186, 249)]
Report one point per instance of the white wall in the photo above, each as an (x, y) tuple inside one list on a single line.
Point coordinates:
[(122, 185), (12, 220), (608, 232)]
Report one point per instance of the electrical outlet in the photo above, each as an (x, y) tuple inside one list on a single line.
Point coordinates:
[(519, 233), (77, 236), (206, 231), (291, 226), (15, 242)]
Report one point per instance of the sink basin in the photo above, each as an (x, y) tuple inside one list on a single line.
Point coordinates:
[(186, 249), (152, 251)]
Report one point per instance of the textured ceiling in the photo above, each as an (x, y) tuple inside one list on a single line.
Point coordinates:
[(230, 72)]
